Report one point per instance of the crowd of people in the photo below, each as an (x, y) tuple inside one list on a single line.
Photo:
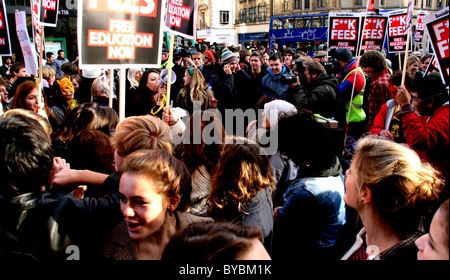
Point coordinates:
[(179, 182)]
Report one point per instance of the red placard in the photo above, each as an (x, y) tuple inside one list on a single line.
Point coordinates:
[(343, 31), (374, 33)]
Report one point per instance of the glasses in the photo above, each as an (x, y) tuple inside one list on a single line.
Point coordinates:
[(418, 99)]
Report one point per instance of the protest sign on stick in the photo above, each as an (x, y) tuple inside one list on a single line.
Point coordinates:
[(120, 34), (29, 56), (374, 32), (5, 40), (420, 27), (49, 12), (408, 30), (343, 31), (438, 32), (181, 18), (397, 35)]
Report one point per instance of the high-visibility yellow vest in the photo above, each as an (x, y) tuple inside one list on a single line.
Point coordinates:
[(357, 113)]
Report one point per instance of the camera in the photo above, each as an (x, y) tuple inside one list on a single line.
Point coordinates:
[(287, 79)]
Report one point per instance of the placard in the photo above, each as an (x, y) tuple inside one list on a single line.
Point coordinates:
[(5, 41), (438, 31), (181, 17), (114, 33), (420, 27), (397, 36), (29, 55), (374, 33), (343, 31), (49, 12)]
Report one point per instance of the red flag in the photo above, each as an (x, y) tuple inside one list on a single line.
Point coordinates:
[(373, 6)]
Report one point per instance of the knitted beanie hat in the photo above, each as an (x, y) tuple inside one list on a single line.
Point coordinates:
[(210, 54), (344, 54), (228, 57)]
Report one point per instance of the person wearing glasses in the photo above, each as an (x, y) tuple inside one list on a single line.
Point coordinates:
[(386, 124), (425, 121)]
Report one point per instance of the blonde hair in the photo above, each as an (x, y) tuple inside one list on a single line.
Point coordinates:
[(48, 72), (199, 90), (141, 133), (402, 185), (413, 59)]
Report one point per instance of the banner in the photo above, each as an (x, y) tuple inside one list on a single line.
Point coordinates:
[(5, 41), (420, 27), (120, 32), (409, 16), (37, 27), (437, 28), (397, 36), (49, 12), (374, 33), (29, 56), (343, 31), (181, 17)]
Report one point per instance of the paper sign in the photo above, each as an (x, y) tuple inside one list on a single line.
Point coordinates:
[(29, 55), (420, 27), (49, 12), (343, 31), (113, 33), (5, 42), (397, 37), (181, 17), (374, 33), (438, 31)]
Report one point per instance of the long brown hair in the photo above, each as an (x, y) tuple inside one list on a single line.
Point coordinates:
[(204, 153), (241, 172)]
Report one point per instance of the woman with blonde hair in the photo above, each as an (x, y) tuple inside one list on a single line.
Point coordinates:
[(195, 90), (413, 65), (392, 190)]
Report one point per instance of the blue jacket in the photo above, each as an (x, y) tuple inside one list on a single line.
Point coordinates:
[(271, 84), (309, 222)]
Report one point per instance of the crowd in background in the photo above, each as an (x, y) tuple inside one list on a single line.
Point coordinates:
[(178, 183)]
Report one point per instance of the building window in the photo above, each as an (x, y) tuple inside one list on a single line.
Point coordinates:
[(252, 14), (297, 4), (439, 4), (224, 17), (286, 6), (358, 2), (307, 5), (243, 15), (262, 13), (319, 3)]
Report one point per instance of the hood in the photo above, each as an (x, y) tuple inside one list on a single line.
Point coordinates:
[(285, 70)]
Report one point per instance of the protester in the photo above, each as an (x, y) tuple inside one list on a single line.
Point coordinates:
[(413, 64), (318, 91), (207, 70), (16, 70), (307, 225), (256, 73), (216, 241), (4, 95), (59, 61), (349, 86), (374, 66), (200, 153), (101, 92), (39, 225), (62, 101), (4, 69), (391, 189), (428, 132), (134, 76), (51, 60), (386, 124), (272, 85), (434, 245), (195, 90), (149, 96), (425, 62), (242, 187), (154, 191), (26, 96), (284, 170)]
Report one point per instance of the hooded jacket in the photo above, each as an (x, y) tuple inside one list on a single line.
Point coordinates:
[(271, 84)]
